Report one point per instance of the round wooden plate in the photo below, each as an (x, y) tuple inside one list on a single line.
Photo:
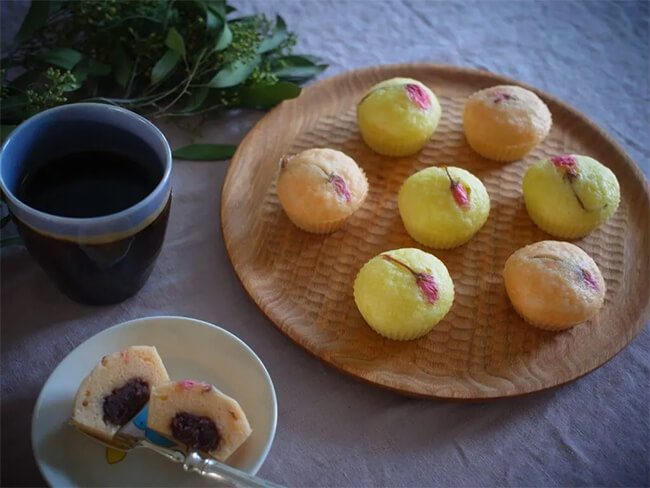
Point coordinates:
[(482, 349)]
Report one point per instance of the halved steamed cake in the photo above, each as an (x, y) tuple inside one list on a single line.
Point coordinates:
[(117, 389), (199, 416)]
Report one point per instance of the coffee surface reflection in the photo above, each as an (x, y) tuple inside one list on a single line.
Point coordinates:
[(88, 184)]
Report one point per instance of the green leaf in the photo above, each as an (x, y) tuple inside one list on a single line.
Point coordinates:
[(212, 22), (62, 57), (234, 73), (279, 35), (196, 98), (97, 68), (122, 67), (175, 41), (5, 130), (81, 72), (218, 7), (74, 86), (164, 66), (264, 96), (205, 152), (295, 60), (70, 87), (11, 241), (247, 19), (298, 72), (225, 38), (35, 18)]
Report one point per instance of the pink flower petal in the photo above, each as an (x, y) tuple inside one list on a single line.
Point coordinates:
[(418, 96), (460, 194), (428, 286), (501, 97), (567, 163), (457, 190), (340, 186), (187, 384), (589, 279)]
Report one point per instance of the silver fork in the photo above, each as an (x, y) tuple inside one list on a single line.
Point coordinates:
[(129, 437)]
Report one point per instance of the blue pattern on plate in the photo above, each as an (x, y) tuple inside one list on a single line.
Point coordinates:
[(141, 423)]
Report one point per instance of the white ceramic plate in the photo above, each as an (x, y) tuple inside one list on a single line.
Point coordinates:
[(190, 349)]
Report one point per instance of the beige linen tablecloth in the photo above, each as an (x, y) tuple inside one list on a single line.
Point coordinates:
[(333, 430)]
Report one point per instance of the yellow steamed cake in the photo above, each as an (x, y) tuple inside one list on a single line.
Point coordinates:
[(398, 116), (403, 294), (443, 207), (570, 195)]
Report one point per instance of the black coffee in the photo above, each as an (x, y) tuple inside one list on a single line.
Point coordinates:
[(99, 274), (93, 184), (88, 184)]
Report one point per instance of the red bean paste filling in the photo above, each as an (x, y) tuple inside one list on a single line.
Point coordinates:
[(123, 403), (196, 432)]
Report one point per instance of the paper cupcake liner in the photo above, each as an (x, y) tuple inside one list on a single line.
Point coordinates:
[(396, 335), (329, 226), (572, 230), (318, 227), (438, 242), (500, 152), (402, 335), (394, 148), (540, 324)]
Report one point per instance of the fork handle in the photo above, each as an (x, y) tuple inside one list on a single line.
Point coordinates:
[(230, 477)]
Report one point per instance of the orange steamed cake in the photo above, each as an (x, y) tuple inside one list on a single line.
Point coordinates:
[(505, 122), (320, 189), (554, 285)]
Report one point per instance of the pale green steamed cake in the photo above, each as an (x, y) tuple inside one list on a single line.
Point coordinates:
[(433, 211), (398, 116), (568, 196), (403, 294)]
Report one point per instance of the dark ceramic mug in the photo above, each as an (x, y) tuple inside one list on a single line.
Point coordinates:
[(96, 260)]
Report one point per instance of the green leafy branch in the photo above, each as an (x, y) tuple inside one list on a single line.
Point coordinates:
[(161, 58)]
